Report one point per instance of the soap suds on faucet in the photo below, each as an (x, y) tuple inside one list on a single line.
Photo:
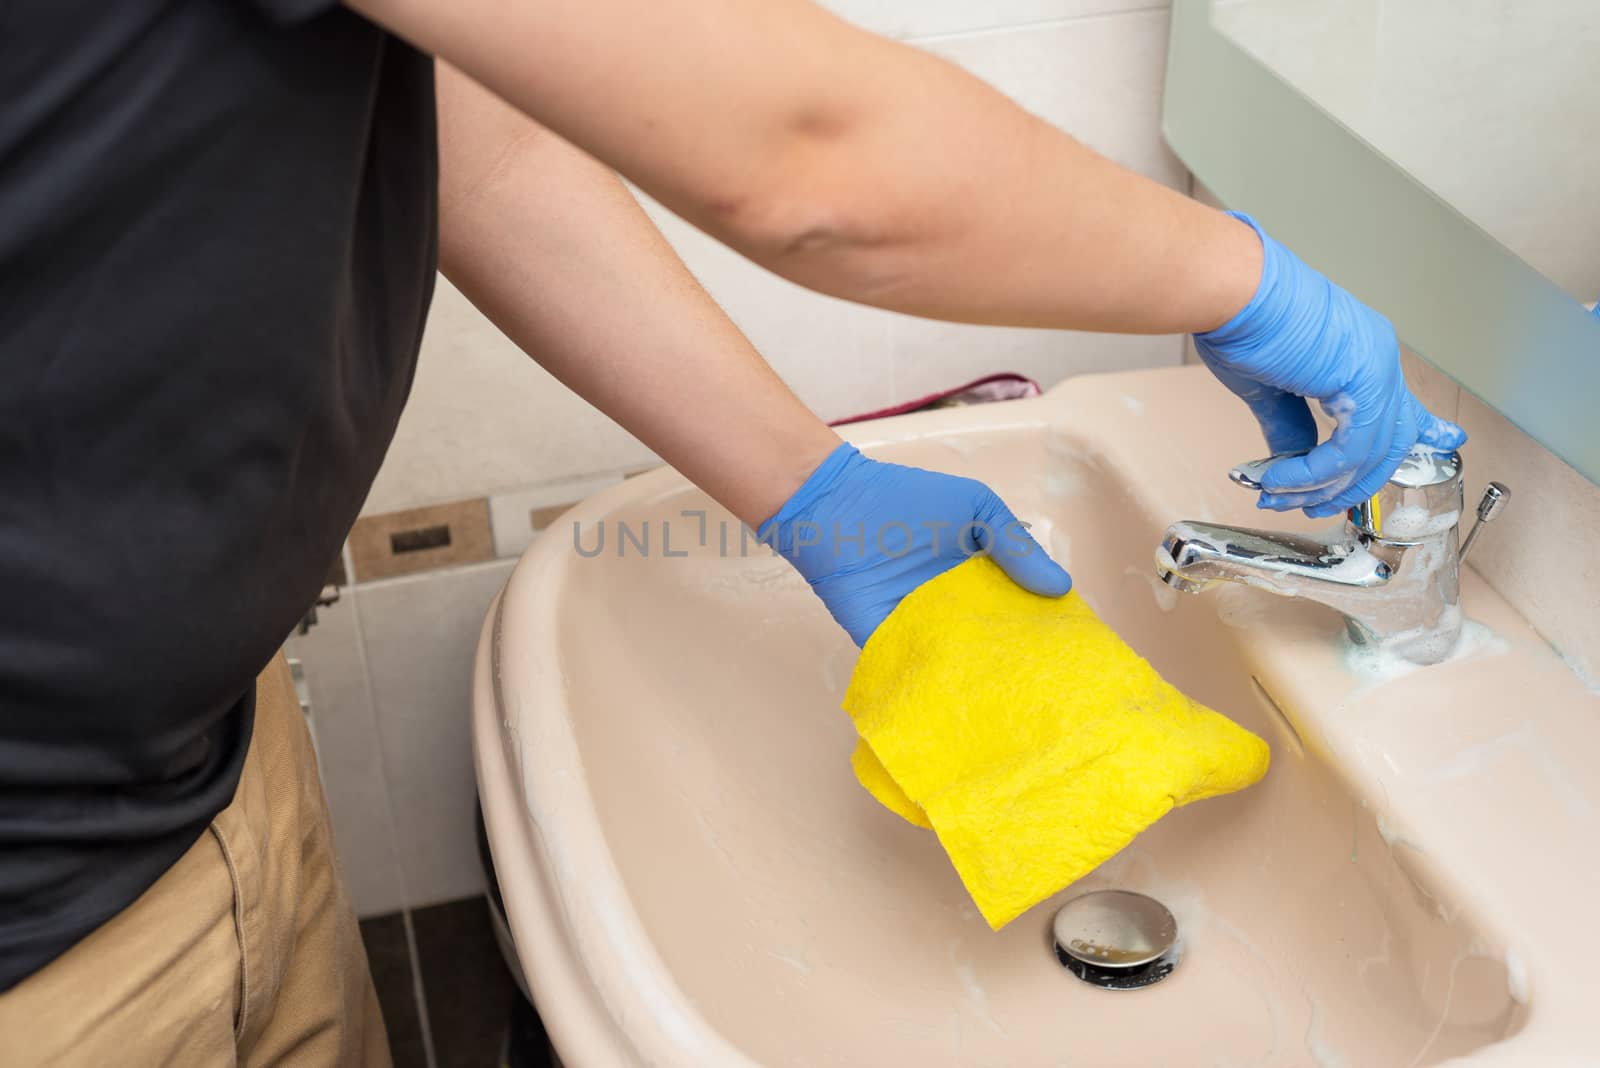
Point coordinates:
[(1377, 664)]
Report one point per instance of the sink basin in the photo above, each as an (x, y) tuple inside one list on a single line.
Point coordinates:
[(693, 877)]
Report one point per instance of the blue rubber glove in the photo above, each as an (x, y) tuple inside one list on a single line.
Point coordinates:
[(866, 533), (1301, 337)]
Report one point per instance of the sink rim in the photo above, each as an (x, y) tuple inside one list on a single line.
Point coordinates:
[(587, 969)]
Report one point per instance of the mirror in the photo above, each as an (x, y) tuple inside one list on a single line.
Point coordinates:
[(1489, 104), (1435, 157)]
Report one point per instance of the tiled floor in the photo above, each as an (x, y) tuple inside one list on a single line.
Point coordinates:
[(449, 1005), (389, 954)]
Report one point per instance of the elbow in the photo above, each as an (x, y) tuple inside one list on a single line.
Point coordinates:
[(816, 237), (814, 221)]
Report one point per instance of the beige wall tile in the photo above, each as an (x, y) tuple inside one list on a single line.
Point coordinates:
[(1543, 552), (421, 539), (1436, 390)]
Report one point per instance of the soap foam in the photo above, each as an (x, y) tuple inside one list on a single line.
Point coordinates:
[(1424, 465), (1516, 976), (977, 996), (794, 958), (1394, 836), (1321, 1052), (1061, 549), (1062, 484), (963, 445), (1413, 523), (1526, 739), (1590, 682), (1376, 664), (1053, 540)]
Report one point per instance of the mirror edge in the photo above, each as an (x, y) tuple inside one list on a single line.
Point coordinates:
[(1457, 297)]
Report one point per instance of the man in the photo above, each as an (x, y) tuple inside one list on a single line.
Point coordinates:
[(217, 238)]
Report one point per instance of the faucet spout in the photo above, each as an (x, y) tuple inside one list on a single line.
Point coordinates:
[(1391, 568), (1194, 556)]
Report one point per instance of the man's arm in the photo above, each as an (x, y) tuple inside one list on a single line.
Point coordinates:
[(849, 163), (553, 248)]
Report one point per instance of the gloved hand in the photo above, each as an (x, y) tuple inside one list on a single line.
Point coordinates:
[(866, 533), (1300, 337)]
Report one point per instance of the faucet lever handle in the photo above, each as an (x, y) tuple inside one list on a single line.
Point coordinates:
[(1248, 474), (1495, 496)]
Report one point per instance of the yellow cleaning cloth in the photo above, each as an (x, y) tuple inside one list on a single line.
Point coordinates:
[(1030, 737)]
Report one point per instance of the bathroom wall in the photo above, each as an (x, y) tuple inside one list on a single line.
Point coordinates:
[(491, 447)]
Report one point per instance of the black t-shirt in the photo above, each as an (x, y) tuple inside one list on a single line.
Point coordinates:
[(217, 244)]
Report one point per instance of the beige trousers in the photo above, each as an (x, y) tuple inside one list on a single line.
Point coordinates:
[(245, 953)]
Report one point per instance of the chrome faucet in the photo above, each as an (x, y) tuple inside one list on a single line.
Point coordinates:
[(1392, 567)]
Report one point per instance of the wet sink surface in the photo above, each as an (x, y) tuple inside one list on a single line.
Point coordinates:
[(724, 893)]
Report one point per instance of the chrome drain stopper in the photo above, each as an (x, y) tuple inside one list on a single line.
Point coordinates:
[(1116, 939)]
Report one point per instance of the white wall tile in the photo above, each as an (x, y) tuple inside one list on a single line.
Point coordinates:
[(829, 351), (929, 357), (484, 418), (918, 18), (1100, 80), (421, 633), (1540, 553), (351, 762), (510, 513)]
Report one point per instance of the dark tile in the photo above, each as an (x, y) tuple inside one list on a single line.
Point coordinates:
[(389, 957), (408, 1054), (468, 989), (421, 539)]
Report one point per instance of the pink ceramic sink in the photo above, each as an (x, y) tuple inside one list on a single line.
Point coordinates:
[(693, 877)]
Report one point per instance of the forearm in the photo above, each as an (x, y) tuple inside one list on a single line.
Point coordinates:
[(1050, 235), (849, 163), (552, 247)]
